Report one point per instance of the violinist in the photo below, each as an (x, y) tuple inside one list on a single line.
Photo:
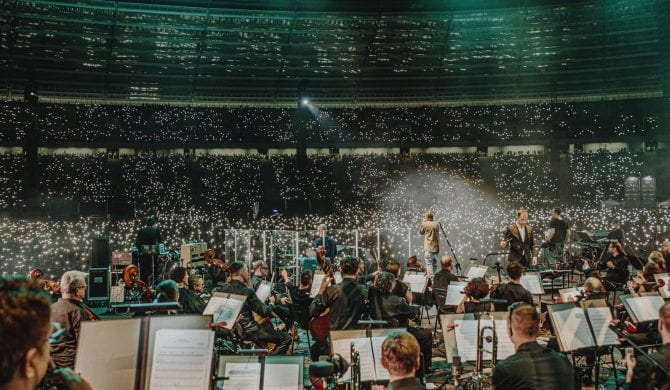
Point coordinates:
[(513, 291), (326, 241), (261, 271), (657, 257), (251, 330), (644, 281), (189, 300), (69, 311), (475, 291), (400, 288)]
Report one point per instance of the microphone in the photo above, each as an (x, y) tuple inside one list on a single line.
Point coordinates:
[(334, 366), (456, 366)]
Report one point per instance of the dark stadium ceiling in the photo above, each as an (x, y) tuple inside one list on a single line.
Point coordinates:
[(345, 52)]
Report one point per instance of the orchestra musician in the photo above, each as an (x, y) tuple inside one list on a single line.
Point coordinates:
[(476, 290), (641, 374), (251, 330), (69, 311), (400, 288), (616, 233), (430, 230), (400, 357), (556, 235), (665, 251), (657, 258), (513, 291), (617, 267), (330, 244), (532, 366), (189, 300), (644, 281), (261, 270), (444, 276), (519, 238), (148, 235)]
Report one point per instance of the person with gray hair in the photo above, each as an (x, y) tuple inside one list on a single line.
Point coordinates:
[(330, 245), (69, 311)]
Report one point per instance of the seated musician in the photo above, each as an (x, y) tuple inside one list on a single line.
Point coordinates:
[(444, 276), (532, 366), (657, 257), (665, 251), (400, 288), (644, 281), (251, 330), (641, 373), (261, 270), (617, 267), (189, 300), (196, 283), (400, 357), (513, 291), (69, 311), (300, 296), (475, 291), (398, 313), (413, 264)]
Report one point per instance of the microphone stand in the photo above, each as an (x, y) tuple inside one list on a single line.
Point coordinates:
[(458, 265), (657, 365)]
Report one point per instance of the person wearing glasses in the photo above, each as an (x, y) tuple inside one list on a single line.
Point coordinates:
[(69, 311), (25, 335), (532, 366)]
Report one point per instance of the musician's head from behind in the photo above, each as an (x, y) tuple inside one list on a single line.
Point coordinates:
[(150, 221), (616, 224), (615, 248), (515, 270), (477, 288), (400, 354), (306, 279), (239, 271), (261, 268), (649, 270), (196, 283), (385, 282), (521, 217), (179, 275), (25, 328), (349, 266), (167, 291), (556, 212), (657, 257), (413, 262), (523, 323), (322, 228), (446, 262), (73, 285), (665, 247), (664, 322), (428, 215), (393, 267), (593, 284)]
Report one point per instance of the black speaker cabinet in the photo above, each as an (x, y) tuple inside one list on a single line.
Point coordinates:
[(101, 256), (98, 284)]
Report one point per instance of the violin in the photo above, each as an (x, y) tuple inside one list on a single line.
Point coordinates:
[(218, 263), (135, 284), (325, 264)]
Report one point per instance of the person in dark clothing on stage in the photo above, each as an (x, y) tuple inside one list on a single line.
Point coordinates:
[(513, 291), (148, 235), (520, 239), (532, 366), (617, 267), (330, 245), (557, 233), (189, 300), (616, 233), (444, 277), (641, 373)]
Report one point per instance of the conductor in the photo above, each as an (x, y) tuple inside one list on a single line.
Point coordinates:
[(519, 237)]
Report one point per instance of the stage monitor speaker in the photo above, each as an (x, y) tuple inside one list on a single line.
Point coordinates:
[(102, 256), (98, 284)]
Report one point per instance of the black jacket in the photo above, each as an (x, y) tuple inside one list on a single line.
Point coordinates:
[(534, 367), (619, 274), (252, 303), (522, 251), (443, 278), (646, 377), (406, 384), (347, 303), (148, 235), (512, 292)]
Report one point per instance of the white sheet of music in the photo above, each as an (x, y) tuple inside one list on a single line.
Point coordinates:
[(263, 291), (466, 339), (646, 308), (224, 309), (343, 347), (532, 283), (281, 377), (242, 376), (317, 280), (665, 290), (569, 294), (454, 295), (478, 271), (382, 373), (417, 282), (182, 359), (600, 318), (573, 329)]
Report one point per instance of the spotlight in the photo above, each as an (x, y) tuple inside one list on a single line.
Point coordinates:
[(305, 102)]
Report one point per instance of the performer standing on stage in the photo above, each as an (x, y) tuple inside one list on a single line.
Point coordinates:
[(617, 232), (519, 237), (430, 230), (148, 235), (552, 252), (330, 244)]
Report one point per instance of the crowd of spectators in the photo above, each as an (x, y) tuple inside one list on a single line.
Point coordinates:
[(466, 123)]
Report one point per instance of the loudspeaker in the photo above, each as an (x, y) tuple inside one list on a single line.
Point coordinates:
[(98, 284), (102, 256)]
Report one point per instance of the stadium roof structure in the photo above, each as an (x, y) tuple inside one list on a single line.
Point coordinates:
[(337, 52)]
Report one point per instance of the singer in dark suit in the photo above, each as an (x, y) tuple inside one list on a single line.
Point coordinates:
[(519, 238)]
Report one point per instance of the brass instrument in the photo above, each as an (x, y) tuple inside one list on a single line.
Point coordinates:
[(493, 339), (355, 368)]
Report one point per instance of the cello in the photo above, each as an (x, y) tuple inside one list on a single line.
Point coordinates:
[(319, 326)]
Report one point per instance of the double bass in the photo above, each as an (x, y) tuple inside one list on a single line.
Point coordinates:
[(319, 326), (135, 285)]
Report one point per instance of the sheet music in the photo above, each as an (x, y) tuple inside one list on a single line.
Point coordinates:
[(382, 373), (281, 377), (646, 308), (573, 329), (263, 291), (182, 359), (569, 294), (417, 282), (665, 290), (242, 376), (343, 347), (224, 309), (532, 283), (477, 271), (317, 280), (466, 339), (454, 295), (600, 318)]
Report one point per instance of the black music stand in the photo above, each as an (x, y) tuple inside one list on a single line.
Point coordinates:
[(150, 250)]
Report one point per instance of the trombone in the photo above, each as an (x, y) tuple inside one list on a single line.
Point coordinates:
[(492, 338)]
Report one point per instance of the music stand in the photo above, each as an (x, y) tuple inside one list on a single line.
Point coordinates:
[(150, 250)]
